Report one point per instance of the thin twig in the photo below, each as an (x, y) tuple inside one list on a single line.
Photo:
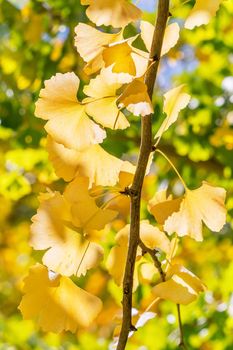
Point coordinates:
[(182, 343), (144, 153), (157, 263)]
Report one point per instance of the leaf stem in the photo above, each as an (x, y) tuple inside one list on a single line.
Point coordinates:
[(136, 188), (174, 168), (182, 343)]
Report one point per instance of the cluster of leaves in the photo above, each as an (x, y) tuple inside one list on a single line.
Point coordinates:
[(84, 164)]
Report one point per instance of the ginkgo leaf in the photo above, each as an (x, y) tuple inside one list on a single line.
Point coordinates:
[(115, 13), (67, 121), (162, 206), (91, 43), (174, 101), (85, 213), (56, 302), (95, 163), (136, 99), (202, 12), (151, 236), (69, 253), (119, 56), (181, 286), (101, 104), (203, 204), (117, 258), (171, 35)]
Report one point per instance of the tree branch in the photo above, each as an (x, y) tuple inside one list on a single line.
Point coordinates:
[(157, 263), (145, 150)]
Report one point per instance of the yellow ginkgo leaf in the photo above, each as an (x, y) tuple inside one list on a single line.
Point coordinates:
[(85, 213), (136, 99), (151, 236), (202, 12), (91, 43), (69, 253), (203, 204), (56, 302), (162, 207), (115, 13), (181, 286), (171, 36), (119, 56), (174, 101), (67, 121), (64, 160), (102, 101), (95, 163), (117, 258)]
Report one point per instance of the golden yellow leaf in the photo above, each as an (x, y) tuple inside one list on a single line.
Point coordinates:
[(174, 101), (117, 258), (203, 204), (119, 56), (136, 99), (202, 12), (171, 36), (85, 213), (181, 286), (91, 43), (162, 207), (68, 252), (64, 160), (95, 163), (102, 101), (67, 122), (56, 302), (110, 12), (151, 236)]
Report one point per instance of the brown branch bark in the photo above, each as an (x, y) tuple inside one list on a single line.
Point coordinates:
[(156, 261), (136, 188)]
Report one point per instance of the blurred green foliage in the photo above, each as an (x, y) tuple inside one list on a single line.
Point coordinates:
[(36, 42)]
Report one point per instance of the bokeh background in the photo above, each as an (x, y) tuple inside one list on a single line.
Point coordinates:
[(36, 42)]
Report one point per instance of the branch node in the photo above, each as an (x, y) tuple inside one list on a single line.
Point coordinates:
[(133, 328), (153, 148), (128, 191), (155, 58)]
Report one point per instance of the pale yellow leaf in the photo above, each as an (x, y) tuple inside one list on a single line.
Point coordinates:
[(95, 163), (174, 101), (202, 12), (102, 101), (181, 286), (153, 238), (117, 258), (136, 99), (85, 213), (203, 204), (56, 302), (111, 12), (171, 36), (106, 113), (90, 44), (69, 253), (162, 207), (67, 121)]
